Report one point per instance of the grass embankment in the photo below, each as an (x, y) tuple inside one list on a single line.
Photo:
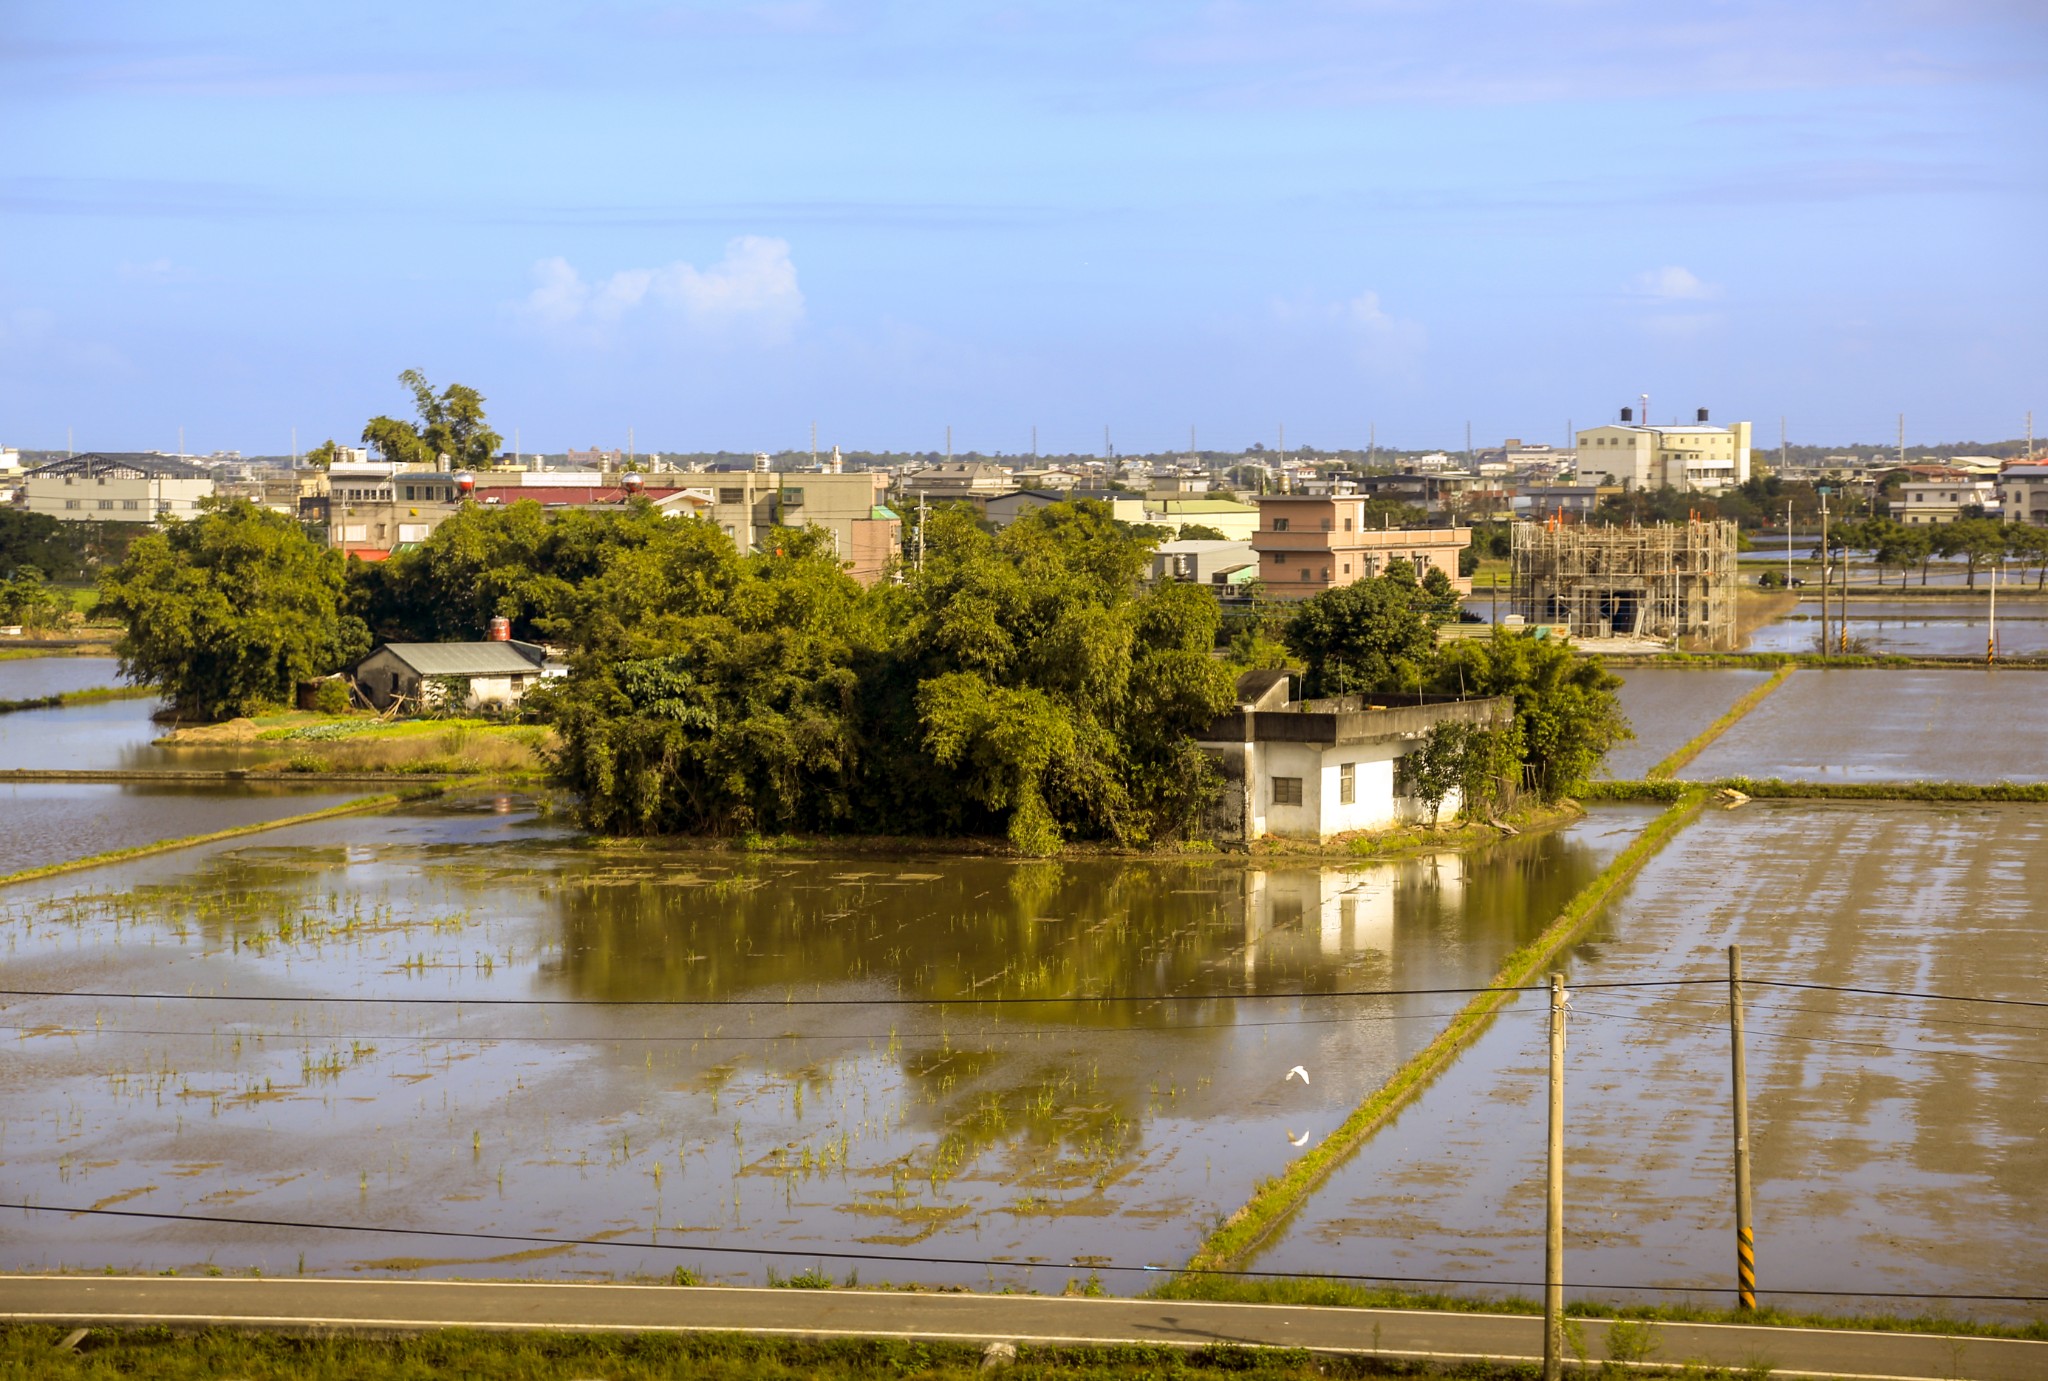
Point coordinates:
[(206, 1355), (306, 742), (1276, 1198), (1340, 1294), (1691, 748), (1774, 788), (356, 807), (95, 696)]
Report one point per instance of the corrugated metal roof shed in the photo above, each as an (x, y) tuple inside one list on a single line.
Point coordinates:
[(465, 659)]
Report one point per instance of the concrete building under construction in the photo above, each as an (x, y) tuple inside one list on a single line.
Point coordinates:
[(1667, 581)]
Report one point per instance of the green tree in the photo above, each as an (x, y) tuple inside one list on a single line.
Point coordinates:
[(451, 423), (1371, 636), (226, 613), (1566, 712), (1201, 532), (43, 543), (1895, 544), (323, 456), (1977, 540), (27, 600)]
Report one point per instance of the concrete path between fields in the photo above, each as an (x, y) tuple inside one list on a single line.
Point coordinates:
[(384, 1306)]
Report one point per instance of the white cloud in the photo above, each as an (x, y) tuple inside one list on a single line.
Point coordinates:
[(751, 293), (154, 271), (1674, 284), (1379, 341)]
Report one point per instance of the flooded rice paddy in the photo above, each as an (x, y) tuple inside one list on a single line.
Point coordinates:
[(1898, 1145), (1962, 725), (30, 678), (53, 822), (821, 1099), (1667, 707), (1924, 628)]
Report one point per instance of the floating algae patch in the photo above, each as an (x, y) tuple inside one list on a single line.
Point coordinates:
[(756, 1052), (1666, 707), (1898, 1144), (1962, 725)]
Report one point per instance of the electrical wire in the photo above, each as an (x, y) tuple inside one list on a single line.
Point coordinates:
[(1291, 995), (1755, 1029), (1893, 992), (839, 1254), (65, 1033)]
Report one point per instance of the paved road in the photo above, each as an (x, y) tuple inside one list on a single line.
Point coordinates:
[(407, 1304)]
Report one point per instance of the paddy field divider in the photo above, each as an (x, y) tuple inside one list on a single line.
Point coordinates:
[(356, 807), (1693, 746), (1275, 1199)]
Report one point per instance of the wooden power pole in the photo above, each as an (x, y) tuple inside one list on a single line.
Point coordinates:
[(1745, 1236)]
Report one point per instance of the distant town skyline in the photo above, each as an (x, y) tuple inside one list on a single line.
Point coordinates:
[(721, 222)]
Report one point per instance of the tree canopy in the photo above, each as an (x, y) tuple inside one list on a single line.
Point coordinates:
[(451, 423), (227, 612)]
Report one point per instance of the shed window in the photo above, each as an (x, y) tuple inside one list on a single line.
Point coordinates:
[(1287, 791), (1347, 783)]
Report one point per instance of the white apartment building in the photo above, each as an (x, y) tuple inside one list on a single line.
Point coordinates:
[(1926, 503), (1696, 456), (116, 487)]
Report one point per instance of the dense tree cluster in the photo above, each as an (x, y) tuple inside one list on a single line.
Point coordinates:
[(228, 612), (1026, 682)]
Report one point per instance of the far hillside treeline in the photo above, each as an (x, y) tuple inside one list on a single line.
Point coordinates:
[(1026, 682)]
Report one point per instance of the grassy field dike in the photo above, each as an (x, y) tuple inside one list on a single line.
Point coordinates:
[(1275, 1199)]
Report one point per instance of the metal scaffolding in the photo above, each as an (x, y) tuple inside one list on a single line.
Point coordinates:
[(1668, 581)]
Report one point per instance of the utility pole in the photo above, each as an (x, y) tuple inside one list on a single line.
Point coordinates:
[(2030, 457), (630, 449), (1107, 449), (920, 531), (68, 451), (1553, 1199), (295, 448), (1823, 574), (1034, 441), (949, 443), (814, 443), (1468, 444), (1372, 443), (1991, 637), (1782, 450), (1902, 441), (1745, 1236), (1788, 544)]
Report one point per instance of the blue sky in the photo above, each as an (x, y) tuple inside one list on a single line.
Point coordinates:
[(716, 223)]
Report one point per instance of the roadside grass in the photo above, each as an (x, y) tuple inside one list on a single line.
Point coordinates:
[(1693, 746), (97, 695), (29, 1350), (1277, 1197), (1340, 1294)]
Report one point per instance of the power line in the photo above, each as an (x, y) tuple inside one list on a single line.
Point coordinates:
[(1896, 992), (1813, 1040), (1291, 995), (837, 1254), (73, 1033)]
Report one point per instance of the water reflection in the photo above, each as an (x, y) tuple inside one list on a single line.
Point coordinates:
[(846, 1107)]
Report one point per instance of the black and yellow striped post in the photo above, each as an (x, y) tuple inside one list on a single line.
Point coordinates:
[(1745, 1235)]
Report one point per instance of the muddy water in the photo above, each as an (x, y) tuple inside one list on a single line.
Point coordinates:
[(1933, 628), (1072, 1132), (1667, 707), (51, 822), (28, 678), (113, 734), (1898, 1144), (1964, 725)]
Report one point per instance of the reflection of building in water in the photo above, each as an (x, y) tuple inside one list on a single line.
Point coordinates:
[(1339, 912)]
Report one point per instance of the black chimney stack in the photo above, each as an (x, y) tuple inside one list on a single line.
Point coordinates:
[(1703, 414), (1628, 414)]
